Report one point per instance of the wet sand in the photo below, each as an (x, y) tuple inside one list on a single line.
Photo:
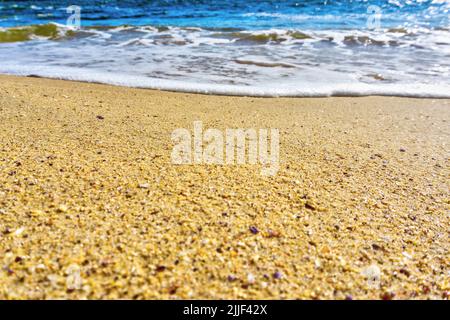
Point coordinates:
[(92, 207)]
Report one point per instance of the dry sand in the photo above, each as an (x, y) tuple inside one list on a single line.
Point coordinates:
[(91, 206)]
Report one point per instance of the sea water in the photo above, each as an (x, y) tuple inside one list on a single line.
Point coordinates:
[(252, 47)]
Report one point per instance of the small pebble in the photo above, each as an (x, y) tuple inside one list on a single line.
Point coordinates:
[(160, 268), (231, 278), (278, 275), (387, 296), (40, 267), (407, 255), (317, 264), (19, 231), (254, 230), (310, 206), (273, 233), (405, 272), (376, 247), (426, 289)]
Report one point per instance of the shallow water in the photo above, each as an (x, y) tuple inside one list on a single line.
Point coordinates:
[(262, 48)]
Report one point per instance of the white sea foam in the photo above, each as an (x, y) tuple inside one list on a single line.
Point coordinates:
[(306, 89), (277, 62)]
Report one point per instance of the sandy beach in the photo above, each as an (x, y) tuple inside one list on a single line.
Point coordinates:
[(92, 207)]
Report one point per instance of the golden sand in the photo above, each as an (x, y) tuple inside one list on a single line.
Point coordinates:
[(91, 206)]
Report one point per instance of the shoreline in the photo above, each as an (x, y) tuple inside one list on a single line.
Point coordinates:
[(322, 90), (88, 192)]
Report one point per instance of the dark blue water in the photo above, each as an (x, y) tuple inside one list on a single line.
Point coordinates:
[(249, 14), (252, 47)]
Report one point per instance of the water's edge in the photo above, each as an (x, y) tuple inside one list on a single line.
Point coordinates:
[(411, 91)]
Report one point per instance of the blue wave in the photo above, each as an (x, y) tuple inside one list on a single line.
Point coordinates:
[(250, 14)]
